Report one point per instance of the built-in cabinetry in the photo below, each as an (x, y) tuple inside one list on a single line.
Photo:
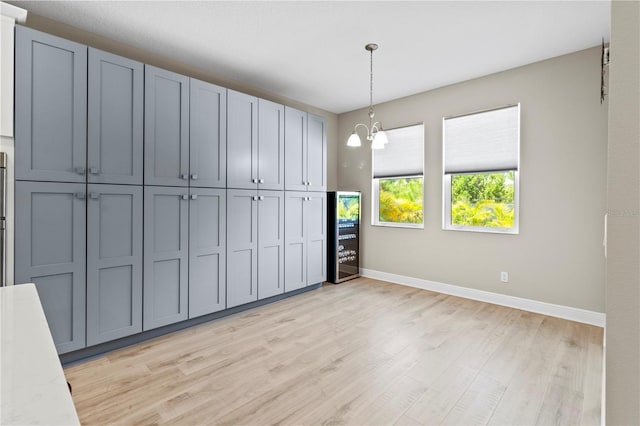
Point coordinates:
[(255, 245), (123, 217), (305, 239)]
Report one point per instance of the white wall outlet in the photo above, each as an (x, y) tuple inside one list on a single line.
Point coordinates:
[(504, 277)]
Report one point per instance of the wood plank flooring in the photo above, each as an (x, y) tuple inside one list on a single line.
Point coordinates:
[(364, 352)]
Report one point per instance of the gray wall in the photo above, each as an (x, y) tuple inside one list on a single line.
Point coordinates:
[(623, 254), (558, 255), (71, 33)]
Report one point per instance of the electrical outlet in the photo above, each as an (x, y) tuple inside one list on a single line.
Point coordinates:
[(504, 277)]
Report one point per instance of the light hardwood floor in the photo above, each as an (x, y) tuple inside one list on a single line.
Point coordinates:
[(363, 352)]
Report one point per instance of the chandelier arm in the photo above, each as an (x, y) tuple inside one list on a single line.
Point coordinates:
[(363, 125)]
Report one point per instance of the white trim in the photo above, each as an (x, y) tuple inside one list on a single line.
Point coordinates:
[(17, 14), (559, 311)]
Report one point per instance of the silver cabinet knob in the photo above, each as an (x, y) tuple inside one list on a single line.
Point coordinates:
[(94, 195), (254, 180), (254, 198), (80, 170), (185, 196), (308, 183), (261, 197), (260, 180), (80, 195), (184, 176), (94, 170), (194, 176), (194, 196)]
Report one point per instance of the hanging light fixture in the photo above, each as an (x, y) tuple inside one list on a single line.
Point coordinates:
[(375, 133)]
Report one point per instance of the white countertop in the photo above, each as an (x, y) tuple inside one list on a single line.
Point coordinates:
[(33, 389)]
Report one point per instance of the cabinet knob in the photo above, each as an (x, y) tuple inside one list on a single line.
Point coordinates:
[(80, 170), (94, 170), (94, 195), (308, 183), (184, 176), (254, 198), (194, 196), (260, 180), (194, 176), (261, 197), (185, 196), (80, 195), (254, 180)]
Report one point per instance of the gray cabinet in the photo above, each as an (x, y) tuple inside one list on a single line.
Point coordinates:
[(50, 252), (305, 151), (50, 107), (207, 254), (255, 143), (255, 245), (166, 252), (114, 262), (115, 119), (305, 239), (208, 135), (166, 128)]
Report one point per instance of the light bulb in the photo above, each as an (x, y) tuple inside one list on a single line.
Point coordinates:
[(378, 142), (354, 140), (380, 134)]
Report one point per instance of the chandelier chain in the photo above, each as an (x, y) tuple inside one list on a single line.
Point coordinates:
[(371, 82)]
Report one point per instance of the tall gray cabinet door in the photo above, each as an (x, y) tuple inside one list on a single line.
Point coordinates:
[(50, 107), (316, 153), (50, 252), (207, 242), (242, 247), (270, 145), (166, 128), (114, 143), (208, 135), (166, 252), (114, 262), (316, 221), (242, 138), (295, 149), (295, 249), (270, 243)]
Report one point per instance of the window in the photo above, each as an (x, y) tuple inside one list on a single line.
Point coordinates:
[(397, 184), (481, 162)]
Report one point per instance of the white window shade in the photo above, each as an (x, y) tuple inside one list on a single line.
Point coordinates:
[(403, 155), (482, 142)]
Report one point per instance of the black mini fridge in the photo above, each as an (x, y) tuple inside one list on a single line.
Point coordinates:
[(343, 236)]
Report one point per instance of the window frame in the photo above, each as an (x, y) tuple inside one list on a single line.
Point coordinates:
[(446, 184), (375, 188)]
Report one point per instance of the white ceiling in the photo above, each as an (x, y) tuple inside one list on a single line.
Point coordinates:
[(313, 51)]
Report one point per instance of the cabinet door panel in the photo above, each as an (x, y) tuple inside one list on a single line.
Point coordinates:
[(115, 119), (316, 154), (242, 132), (208, 135), (270, 145), (242, 247), (50, 107), (166, 250), (295, 250), (315, 215), (295, 150), (50, 220), (114, 262), (207, 243), (166, 128), (270, 243)]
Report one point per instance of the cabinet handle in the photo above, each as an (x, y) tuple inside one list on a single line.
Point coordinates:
[(304, 182), (254, 198), (184, 176), (194, 176), (261, 198), (260, 180), (80, 195), (194, 196), (94, 170), (254, 180), (185, 196), (80, 170), (94, 195), (308, 183)]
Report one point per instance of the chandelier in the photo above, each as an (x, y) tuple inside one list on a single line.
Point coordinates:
[(375, 133)]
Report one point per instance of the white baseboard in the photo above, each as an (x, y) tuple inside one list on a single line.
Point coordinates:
[(559, 311)]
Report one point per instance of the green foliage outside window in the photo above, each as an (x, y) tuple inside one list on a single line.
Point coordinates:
[(483, 199), (401, 200)]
